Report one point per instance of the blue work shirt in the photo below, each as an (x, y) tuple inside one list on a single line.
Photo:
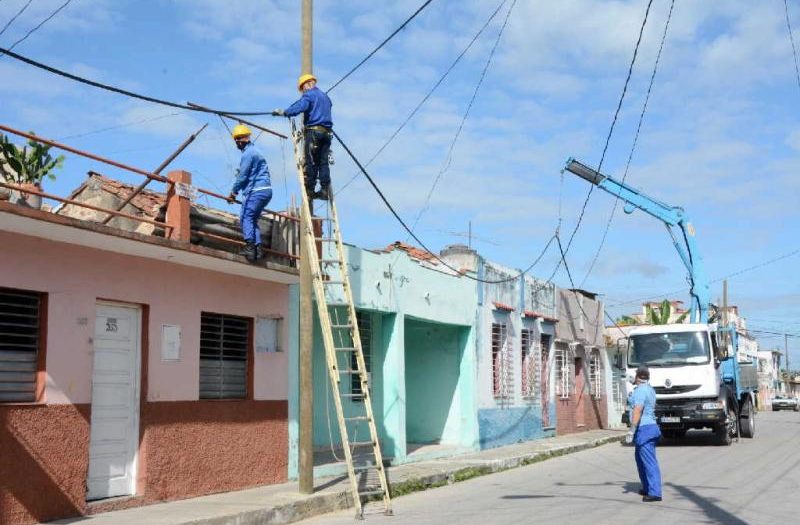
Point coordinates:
[(315, 105), (645, 396), (253, 172)]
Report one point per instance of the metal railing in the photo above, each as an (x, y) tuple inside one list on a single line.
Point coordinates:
[(286, 221)]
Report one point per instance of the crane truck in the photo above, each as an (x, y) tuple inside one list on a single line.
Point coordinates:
[(701, 378)]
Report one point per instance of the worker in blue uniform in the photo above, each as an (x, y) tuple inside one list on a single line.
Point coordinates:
[(254, 182), (646, 434), (315, 106)]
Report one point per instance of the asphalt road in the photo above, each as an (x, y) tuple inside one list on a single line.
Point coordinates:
[(751, 482)]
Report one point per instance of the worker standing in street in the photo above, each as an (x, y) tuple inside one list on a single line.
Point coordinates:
[(315, 106), (645, 433), (253, 181)]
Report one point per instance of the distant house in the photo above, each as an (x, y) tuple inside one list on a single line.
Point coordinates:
[(137, 363)]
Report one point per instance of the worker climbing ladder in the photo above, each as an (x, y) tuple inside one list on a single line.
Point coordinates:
[(343, 349)]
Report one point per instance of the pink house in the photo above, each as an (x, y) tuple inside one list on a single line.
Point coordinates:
[(135, 368)]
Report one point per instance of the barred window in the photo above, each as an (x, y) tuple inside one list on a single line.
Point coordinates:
[(20, 344), (529, 362), (563, 366), (364, 321), (224, 354), (596, 374), (502, 369)]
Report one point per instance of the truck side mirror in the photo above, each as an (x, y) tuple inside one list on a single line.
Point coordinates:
[(619, 361)]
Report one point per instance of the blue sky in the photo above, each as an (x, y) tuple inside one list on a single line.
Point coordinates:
[(721, 136)]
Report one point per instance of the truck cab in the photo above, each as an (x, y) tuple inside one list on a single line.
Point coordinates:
[(696, 381)]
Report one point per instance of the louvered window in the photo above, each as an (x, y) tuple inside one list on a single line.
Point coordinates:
[(224, 351), (596, 374), (20, 332), (364, 321), (564, 367), (529, 360)]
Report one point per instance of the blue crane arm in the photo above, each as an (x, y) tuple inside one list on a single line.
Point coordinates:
[(673, 217)]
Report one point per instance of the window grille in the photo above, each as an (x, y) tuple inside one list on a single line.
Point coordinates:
[(224, 353), (596, 374), (563, 365), (502, 369), (530, 357), (20, 328), (364, 321)]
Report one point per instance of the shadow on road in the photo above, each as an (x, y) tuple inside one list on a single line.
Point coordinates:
[(525, 496), (707, 505)]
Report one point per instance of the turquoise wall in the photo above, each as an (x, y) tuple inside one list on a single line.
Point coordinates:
[(433, 355)]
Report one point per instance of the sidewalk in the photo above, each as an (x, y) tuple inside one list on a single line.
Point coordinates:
[(278, 504)]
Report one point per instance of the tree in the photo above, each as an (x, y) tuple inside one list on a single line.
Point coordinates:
[(661, 314), (28, 165), (626, 320)]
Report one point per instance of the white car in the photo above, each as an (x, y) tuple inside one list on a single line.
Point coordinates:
[(781, 402)]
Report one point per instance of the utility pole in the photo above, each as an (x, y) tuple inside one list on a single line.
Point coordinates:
[(306, 438), (786, 353)]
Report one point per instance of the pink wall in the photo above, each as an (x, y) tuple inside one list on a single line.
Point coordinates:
[(75, 277)]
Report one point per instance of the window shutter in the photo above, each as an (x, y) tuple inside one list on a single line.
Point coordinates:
[(224, 345), (19, 344)]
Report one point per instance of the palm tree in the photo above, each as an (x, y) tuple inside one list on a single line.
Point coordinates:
[(661, 314)]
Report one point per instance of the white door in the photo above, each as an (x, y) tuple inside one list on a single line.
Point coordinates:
[(114, 436)]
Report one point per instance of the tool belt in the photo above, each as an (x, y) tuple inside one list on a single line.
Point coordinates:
[(318, 128)]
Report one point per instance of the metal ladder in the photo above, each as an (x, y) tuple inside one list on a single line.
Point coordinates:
[(342, 341)]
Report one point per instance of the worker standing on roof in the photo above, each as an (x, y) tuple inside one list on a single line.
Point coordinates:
[(316, 109), (253, 181)]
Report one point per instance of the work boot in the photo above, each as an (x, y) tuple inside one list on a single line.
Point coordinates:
[(310, 192), (322, 194), (249, 252), (259, 252)]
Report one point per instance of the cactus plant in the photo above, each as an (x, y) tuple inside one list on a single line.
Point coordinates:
[(29, 164)]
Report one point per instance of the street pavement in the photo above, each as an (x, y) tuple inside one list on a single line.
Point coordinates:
[(754, 481)]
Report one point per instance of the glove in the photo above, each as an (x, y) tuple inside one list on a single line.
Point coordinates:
[(629, 438), (231, 198), (277, 113)]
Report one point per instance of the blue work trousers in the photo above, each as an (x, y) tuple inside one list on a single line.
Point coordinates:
[(646, 462), (318, 145), (253, 205)]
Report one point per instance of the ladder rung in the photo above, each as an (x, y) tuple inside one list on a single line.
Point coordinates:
[(365, 468), (334, 282), (325, 239), (352, 395), (341, 326), (346, 349), (362, 443), (357, 418), (348, 371), (330, 261), (371, 492)]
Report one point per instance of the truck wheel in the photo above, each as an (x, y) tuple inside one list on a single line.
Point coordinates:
[(747, 420), (725, 432)]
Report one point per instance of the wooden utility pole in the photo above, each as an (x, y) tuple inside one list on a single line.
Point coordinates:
[(306, 444), (788, 370)]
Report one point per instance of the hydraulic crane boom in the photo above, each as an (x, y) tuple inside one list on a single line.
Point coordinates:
[(672, 217)]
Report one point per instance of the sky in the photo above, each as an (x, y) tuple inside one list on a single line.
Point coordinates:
[(720, 136)]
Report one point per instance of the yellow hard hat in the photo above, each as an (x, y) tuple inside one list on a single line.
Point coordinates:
[(240, 130), (303, 79)]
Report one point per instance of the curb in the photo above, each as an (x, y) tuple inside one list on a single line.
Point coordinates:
[(325, 503)]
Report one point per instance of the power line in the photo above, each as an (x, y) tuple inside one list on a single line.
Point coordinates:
[(427, 95), (120, 91), (419, 241), (43, 22), (633, 146), (719, 279), (449, 156), (791, 39), (124, 125), (402, 26), (613, 125), (22, 10)]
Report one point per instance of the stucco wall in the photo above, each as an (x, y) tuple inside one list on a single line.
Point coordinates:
[(75, 278)]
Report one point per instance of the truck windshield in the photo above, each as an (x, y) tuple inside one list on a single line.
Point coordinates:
[(670, 349)]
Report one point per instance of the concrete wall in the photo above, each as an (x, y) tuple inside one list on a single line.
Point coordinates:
[(183, 439)]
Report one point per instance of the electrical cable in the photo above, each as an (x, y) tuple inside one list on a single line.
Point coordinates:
[(633, 146), (613, 125), (22, 10), (419, 241), (43, 22), (427, 95), (571, 282), (449, 156), (119, 126), (120, 91), (791, 39), (402, 26)]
